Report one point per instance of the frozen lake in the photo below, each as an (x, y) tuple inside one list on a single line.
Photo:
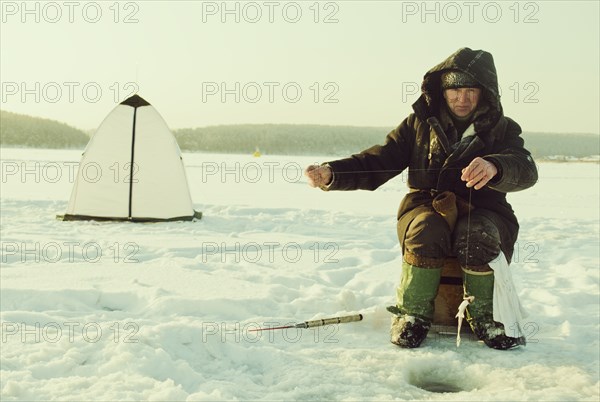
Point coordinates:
[(118, 311)]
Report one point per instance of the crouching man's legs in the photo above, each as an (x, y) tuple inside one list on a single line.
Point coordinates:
[(427, 242), (476, 242)]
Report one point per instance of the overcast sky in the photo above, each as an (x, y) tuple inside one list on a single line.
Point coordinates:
[(342, 62)]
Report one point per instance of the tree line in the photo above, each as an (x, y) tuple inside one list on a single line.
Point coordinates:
[(19, 130)]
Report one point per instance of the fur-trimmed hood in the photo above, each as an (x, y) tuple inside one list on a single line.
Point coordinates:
[(479, 64)]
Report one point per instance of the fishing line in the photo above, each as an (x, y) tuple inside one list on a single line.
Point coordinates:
[(468, 226)]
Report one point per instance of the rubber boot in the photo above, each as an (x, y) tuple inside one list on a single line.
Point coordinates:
[(480, 313), (415, 302)]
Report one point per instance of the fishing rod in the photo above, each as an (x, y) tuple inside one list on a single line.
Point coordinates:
[(316, 323)]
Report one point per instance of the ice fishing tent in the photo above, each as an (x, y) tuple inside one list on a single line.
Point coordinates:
[(131, 170)]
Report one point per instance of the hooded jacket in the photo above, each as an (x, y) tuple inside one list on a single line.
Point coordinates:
[(427, 144)]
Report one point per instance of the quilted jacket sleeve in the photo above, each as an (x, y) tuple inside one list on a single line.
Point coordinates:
[(373, 167), (516, 169)]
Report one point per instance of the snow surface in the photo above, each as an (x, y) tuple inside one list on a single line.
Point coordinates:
[(121, 311)]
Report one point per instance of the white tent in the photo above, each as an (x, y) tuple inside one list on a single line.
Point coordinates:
[(131, 170)]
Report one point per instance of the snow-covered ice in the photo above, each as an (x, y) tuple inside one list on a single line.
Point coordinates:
[(121, 311)]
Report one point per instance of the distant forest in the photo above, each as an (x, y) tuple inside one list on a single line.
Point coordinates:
[(34, 132), (18, 130), (342, 140)]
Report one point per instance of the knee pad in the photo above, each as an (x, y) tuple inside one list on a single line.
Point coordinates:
[(478, 243), (428, 236)]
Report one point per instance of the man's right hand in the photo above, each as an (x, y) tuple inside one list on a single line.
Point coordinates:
[(318, 175)]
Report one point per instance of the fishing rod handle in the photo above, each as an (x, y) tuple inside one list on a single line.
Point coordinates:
[(330, 321)]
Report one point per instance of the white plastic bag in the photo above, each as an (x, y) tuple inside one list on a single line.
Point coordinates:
[(507, 307)]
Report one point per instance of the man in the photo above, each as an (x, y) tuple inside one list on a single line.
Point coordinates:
[(463, 155)]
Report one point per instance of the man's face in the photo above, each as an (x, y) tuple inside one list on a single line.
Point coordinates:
[(462, 101)]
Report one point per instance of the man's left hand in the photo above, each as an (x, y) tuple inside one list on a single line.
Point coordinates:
[(478, 173)]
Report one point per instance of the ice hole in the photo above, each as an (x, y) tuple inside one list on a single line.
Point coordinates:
[(438, 387), (438, 381)]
